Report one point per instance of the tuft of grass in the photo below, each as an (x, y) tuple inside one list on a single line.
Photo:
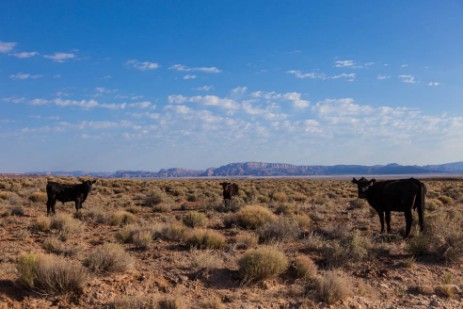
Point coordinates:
[(109, 258), (250, 217), (304, 267), (38, 197), (281, 230), (195, 219), (48, 274), (135, 302), (205, 239), (121, 217), (333, 287), (66, 225), (153, 198), (280, 197), (246, 240), (53, 245), (139, 236), (262, 263), (41, 223)]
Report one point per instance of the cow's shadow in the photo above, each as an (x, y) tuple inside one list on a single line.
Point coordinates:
[(12, 290)]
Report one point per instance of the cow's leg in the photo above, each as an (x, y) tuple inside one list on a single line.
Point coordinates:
[(388, 221), (408, 221), (381, 219), (78, 204), (51, 206)]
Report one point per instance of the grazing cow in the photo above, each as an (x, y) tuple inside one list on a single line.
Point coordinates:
[(229, 191), (67, 193), (394, 195)]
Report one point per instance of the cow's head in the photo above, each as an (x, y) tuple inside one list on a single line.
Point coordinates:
[(88, 184), (225, 185), (363, 185)]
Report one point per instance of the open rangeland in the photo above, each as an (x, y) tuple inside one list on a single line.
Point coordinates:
[(281, 243)]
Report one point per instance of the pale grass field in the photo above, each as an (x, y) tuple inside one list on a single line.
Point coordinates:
[(282, 243)]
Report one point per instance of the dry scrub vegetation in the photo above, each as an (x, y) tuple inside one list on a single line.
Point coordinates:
[(282, 243)]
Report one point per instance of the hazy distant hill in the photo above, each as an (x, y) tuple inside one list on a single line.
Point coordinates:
[(261, 169)]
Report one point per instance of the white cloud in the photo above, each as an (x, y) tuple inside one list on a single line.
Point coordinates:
[(23, 55), (208, 100), (298, 74), (142, 65), (6, 47), (204, 88), (434, 84), (183, 68), (141, 105), (189, 76), (383, 77), (86, 104), (60, 57), (344, 63), (23, 76), (408, 79), (294, 97)]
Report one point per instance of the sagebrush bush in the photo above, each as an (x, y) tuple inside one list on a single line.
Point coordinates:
[(304, 267), (41, 223), (38, 197), (109, 258), (262, 263), (205, 239), (250, 217), (66, 225), (195, 219), (283, 229), (333, 287), (171, 231), (280, 196), (153, 198), (135, 302), (48, 274), (141, 237), (121, 218), (246, 240), (54, 245)]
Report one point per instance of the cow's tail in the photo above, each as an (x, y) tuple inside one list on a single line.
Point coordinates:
[(420, 204)]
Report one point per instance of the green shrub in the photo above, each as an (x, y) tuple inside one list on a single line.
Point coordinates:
[(262, 263), (49, 274)]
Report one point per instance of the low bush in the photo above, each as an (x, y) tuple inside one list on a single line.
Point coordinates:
[(109, 258), (38, 197), (205, 239), (281, 230), (333, 287), (121, 217), (48, 274), (195, 219), (262, 263), (304, 267), (250, 217), (41, 223)]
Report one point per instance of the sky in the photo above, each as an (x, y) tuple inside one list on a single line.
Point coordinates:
[(145, 85)]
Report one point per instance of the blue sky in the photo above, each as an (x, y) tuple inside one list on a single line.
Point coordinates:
[(144, 85)]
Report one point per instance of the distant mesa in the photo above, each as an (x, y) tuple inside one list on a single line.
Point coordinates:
[(261, 169)]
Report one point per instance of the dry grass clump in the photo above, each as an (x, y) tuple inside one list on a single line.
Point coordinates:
[(66, 225), (205, 239), (250, 217), (443, 239), (212, 303), (281, 230), (246, 240), (304, 267), (53, 245), (139, 236), (135, 302), (48, 274), (38, 197), (262, 263), (171, 231), (352, 248), (171, 302), (153, 198), (4, 195), (203, 262), (280, 197), (41, 223), (333, 287), (121, 217), (195, 219), (109, 258)]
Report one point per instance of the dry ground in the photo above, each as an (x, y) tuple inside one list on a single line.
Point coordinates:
[(313, 220)]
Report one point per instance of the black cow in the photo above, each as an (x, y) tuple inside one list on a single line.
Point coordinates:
[(67, 193), (229, 191), (394, 195)]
